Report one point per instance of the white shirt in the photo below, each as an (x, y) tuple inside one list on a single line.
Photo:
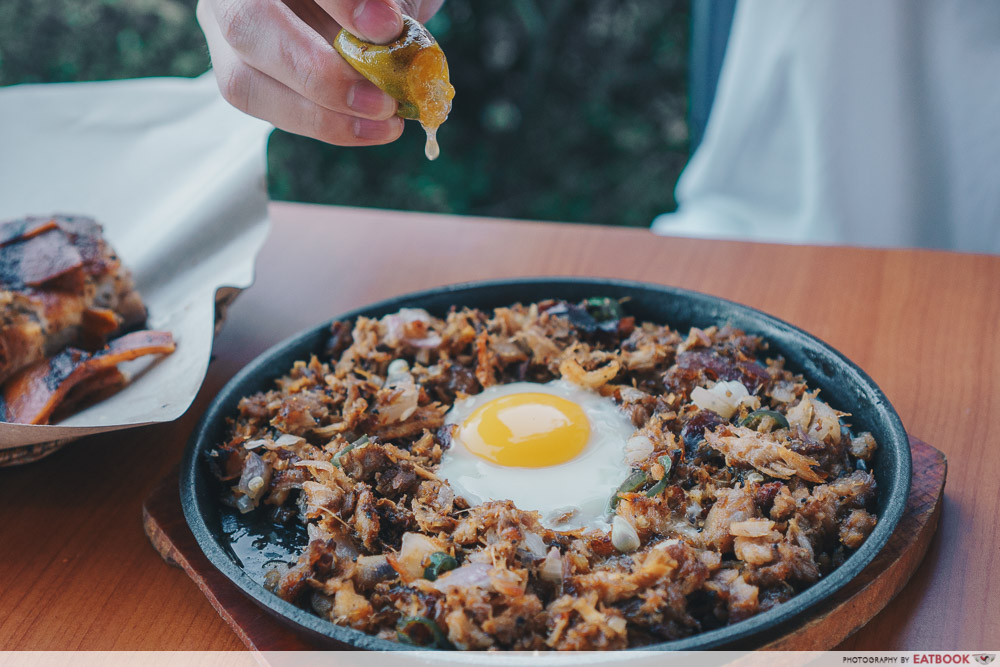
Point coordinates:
[(861, 122)]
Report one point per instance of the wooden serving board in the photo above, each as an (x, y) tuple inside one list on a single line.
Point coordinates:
[(833, 622)]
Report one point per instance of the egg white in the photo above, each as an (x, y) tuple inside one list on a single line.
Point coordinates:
[(580, 486)]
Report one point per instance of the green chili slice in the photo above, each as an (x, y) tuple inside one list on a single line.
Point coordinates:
[(754, 419), (631, 483), (421, 631), (603, 308), (363, 440), (439, 563), (658, 488)]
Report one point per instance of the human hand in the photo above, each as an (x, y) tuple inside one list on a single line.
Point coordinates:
[(274, 60)]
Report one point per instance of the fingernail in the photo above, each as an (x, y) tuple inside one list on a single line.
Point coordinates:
[(375, 130), (365, 98), (377, 21)]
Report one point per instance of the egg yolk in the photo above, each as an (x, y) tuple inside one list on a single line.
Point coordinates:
[(530, 430)]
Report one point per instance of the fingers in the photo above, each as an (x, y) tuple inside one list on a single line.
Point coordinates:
[(422, 10), (337, 120), (259, 95), (271, 38), (273, 59), (318, 20), (378, 21)]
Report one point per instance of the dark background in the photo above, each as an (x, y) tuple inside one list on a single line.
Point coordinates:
[(567, 110)]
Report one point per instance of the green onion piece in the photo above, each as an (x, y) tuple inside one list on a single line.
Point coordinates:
[(603, 308), (363, 440), (754, 419), (631, 483), (421, 631), (658, 488), (440, 562)]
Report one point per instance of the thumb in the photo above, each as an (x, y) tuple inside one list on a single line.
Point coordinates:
[(377, 21)]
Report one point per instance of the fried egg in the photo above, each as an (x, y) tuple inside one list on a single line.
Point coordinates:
[(554, 448)]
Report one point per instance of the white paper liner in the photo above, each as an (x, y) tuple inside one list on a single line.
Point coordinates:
[(177, 178)]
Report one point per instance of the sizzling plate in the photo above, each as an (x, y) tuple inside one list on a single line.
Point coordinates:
[(843, 385)]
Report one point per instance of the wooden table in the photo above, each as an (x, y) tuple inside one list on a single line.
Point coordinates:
[(78, 572)]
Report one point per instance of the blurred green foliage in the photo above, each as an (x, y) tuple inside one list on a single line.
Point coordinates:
[(567, 110), (43, 41)]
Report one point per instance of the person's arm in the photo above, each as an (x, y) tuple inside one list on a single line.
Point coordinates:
[(273, 60)]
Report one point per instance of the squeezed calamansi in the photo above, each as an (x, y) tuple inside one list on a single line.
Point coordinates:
[(412, 69)]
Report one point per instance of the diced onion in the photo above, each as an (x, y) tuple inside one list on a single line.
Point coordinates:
[(470, 575), (288, 440), (244, 504), (410, 325), (533, 543), (399, 369), (370, 570), (751, 528), (552, 567), (723, 399), (623, 535), (630, 394), (618, 624), (637, 449), (415, 548), (255, 484)]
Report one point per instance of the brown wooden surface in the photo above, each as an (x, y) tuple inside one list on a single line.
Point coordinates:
[(823, 628), (80, 574)]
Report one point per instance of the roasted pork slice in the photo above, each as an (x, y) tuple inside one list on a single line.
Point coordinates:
[(61, 283), (73, 375)]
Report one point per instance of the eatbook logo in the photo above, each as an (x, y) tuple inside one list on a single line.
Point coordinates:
[(985, 658)]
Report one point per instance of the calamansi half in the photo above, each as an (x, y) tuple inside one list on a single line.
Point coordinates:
[(412, 69)]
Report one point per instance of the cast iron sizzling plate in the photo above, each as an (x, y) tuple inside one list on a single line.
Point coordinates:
[(844, 385)]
